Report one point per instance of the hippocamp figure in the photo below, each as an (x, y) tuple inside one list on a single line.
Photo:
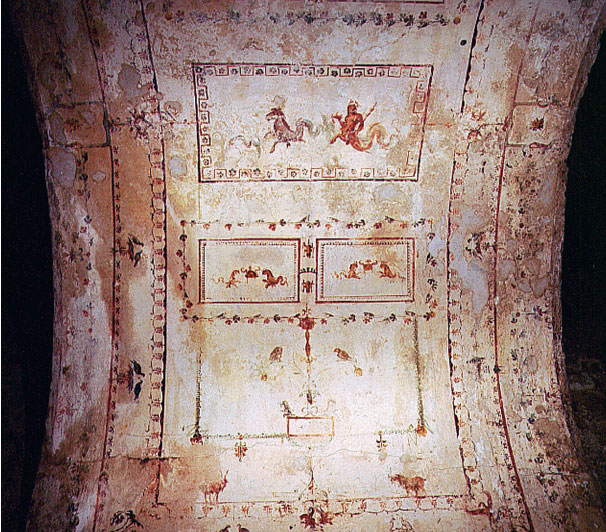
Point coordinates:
[(231, 281), (351, 273), (270, 280), (282, 132)]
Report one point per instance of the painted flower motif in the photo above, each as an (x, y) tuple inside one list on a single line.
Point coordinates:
[(306, 323), (537, 124)]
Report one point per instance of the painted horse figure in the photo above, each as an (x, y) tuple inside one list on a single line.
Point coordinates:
[(282, 131)]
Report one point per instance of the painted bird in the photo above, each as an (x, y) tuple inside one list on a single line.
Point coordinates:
[(276, 354), (307, 519), (242, 529), (135, 383), (225, 529), (343, 355), (326, 518), (286, 411)]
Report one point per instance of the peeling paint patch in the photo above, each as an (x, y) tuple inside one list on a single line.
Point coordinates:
[(62, 166)]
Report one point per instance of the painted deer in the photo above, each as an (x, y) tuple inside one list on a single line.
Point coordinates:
[(282, 131), (412, 485), (270, 280), (211, 489)]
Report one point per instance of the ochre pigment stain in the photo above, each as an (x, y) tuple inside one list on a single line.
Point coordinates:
[(307, 264)]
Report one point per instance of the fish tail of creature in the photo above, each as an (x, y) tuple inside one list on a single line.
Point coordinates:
[(242, 139), (376, 133), (313, 132), (252, 143)]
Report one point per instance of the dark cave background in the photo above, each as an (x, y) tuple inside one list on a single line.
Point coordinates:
[(584, 252), (27, 289)]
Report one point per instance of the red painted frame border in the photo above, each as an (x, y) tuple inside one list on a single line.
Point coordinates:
[(295, 70), (201, 270), (411, 270)]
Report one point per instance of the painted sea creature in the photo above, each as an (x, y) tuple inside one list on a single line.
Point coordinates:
[(351, 273), (282, 132), (232, 280), (386, 271), (270, 280), (352, 125), (367, 267), (251, 273)]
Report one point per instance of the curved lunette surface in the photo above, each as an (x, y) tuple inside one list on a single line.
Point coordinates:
[(307, 263)]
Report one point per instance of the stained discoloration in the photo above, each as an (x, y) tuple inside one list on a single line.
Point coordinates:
[(61, 166), (419, 347)]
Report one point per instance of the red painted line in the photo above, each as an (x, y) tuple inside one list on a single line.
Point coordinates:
[(494, 294)]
